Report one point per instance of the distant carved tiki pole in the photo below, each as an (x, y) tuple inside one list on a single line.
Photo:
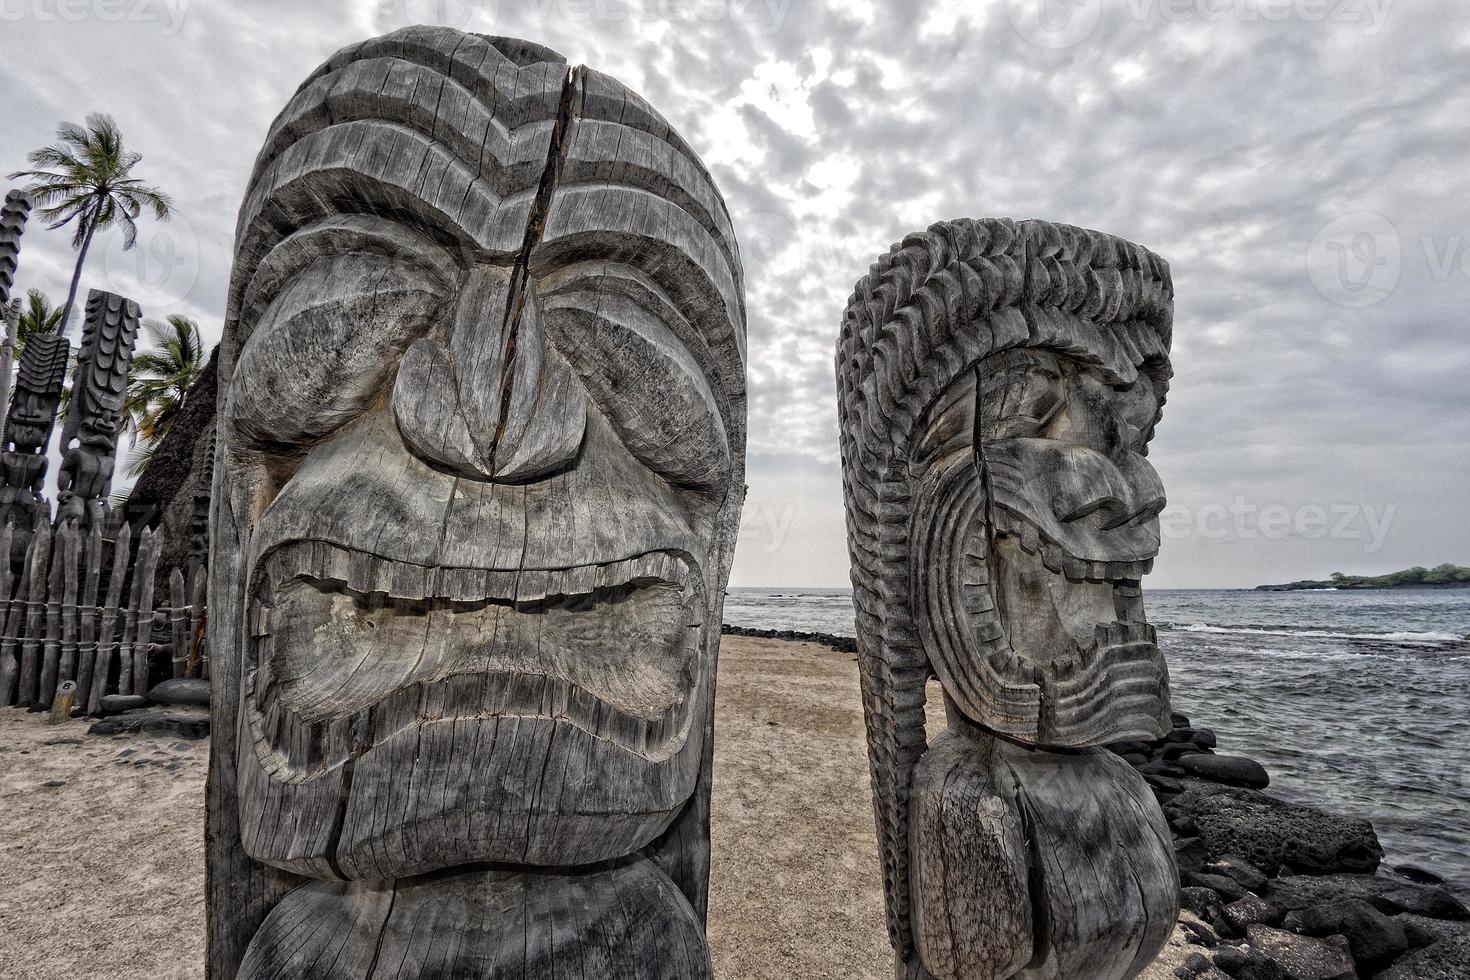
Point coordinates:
[(479, 470), (99, 388), (999, 383), (28, 426), (13, 216)]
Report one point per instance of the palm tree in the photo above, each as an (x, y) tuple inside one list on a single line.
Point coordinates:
[(36, 316), (89, 182), (161, 377)]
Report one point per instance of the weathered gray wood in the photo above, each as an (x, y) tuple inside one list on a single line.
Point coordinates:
[(198, 660), (178, 622), (143, 572), (480, 465), (107, 630), (71, 570), (90, 599), (62, 702), (99, 388), (38, 566), (999, 382), (63, 558), (626, 921), (27, 435)]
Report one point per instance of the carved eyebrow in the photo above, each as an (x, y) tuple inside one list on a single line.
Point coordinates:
[(580, 280), (341, 235)]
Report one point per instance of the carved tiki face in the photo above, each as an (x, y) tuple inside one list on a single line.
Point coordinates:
[(482, 458)]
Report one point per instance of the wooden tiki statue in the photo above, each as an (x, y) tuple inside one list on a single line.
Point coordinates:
[(999, 383), (479, 471)]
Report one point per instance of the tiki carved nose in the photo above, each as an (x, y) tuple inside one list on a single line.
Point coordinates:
[(489, 398)]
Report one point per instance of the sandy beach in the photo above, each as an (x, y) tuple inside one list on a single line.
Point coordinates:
[(102, 855)]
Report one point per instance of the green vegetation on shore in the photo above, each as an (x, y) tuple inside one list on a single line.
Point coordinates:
[(1440, 576)]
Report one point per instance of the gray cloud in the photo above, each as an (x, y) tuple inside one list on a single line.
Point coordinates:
[(1226, 144)]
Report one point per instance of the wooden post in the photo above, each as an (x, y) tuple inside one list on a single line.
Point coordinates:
[(61, 704), (178, 621), (107, 632), (55, 589), (143, 571), (87, 650), (67, 669), (35, 607), (10, 639), (198, 649)]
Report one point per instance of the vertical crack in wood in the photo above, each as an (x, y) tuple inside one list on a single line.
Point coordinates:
[(382, 933), (515, 301)]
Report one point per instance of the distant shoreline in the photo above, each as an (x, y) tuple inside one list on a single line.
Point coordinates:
[(1329, 586)]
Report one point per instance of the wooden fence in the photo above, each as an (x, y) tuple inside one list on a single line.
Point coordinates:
[(79, 607)]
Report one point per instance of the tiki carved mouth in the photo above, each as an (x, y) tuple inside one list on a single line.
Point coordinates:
[(1081, 622), (344, 638)]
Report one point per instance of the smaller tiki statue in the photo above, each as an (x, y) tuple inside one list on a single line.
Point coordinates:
[(99, 388), (999, 384), (28, 425)]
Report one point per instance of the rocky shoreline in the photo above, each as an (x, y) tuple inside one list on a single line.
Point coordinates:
[(1276, 890)]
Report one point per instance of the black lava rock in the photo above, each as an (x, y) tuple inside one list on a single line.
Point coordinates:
[(1227, 888), (1190, 854), (181, 692), (1303, 957), (1424, 931), (1389, 895), (1373, 937), (1273, 834), (1204, 737), (1252, 910), (112, 704), (1448, 959), (1202, 901), (1237, 867), (1229, 770), (1417, 874), (178, 723)]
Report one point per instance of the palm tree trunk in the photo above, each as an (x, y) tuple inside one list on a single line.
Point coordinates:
[(76, 276)]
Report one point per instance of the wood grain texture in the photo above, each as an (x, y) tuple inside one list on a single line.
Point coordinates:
[(99, 388), (477, 485), (626, 921), (998, 384), (29, 420)]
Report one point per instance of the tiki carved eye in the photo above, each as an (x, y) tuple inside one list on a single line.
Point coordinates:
[(326, 346), (646, 383)]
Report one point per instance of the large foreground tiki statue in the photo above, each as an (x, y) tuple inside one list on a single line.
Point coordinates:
[(999, 384), (479, 472)]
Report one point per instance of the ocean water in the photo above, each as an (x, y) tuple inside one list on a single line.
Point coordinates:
[(1358, 701)]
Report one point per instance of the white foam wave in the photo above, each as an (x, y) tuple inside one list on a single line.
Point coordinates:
[(1404, 636)]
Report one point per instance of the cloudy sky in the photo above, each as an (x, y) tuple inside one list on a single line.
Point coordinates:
[(1301, 163)]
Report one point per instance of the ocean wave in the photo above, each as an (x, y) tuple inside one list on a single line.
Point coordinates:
[(1402, 636)]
